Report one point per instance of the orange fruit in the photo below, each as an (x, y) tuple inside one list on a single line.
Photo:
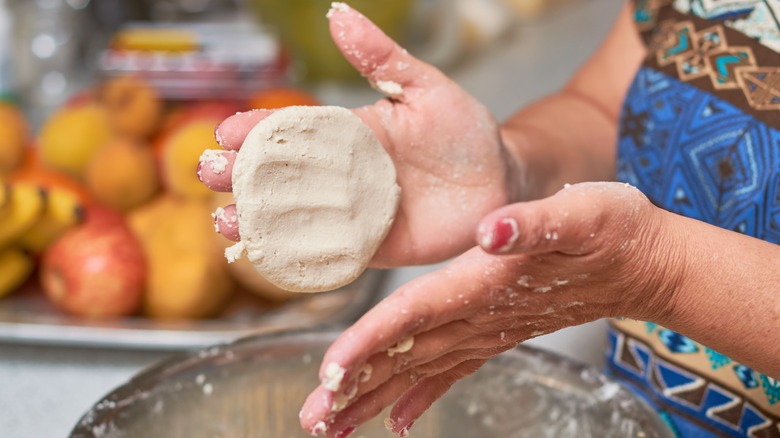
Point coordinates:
[(134, 107), (180, 153), (72, 135), (122, 174), (14, 137), (280, 98)]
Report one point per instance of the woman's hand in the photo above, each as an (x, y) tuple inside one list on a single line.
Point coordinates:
[(591, 251), (451, 165)]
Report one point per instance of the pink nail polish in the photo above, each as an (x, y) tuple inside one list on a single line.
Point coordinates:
[(218, 137), (403, 433), (502, 237), (346, 432), (198, 172)]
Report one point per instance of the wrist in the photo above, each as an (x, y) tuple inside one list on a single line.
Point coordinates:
[(664, 271), (525, 172)]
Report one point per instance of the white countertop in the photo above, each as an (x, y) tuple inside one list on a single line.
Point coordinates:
[(45, 390)]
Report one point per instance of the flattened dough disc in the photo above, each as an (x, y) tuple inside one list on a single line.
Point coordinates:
[(316, 194)]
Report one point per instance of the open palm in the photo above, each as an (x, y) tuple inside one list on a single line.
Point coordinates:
[(446, 147)]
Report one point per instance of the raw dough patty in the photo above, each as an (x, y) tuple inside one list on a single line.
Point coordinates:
[(316, 195)]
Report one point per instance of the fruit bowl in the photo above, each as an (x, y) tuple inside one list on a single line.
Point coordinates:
[(255, 387), (28, 317)]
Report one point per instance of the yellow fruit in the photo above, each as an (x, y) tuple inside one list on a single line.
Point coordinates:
[(63, 210), (122, 174), (187, 276), (14, 137), (5, 195), (134, 107), (15, 268), (180, 156), (22, 212), (71, 137)]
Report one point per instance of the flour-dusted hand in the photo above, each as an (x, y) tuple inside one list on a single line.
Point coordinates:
[(591, 251), (451, 164)]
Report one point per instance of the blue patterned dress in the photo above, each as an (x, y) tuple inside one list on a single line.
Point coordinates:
[(700, 136)]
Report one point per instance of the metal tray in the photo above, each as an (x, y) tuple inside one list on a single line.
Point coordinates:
[(26, 317)]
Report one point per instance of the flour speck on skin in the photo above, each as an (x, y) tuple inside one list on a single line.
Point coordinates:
[(219, 213), (334, 374), (364, 375), (390, 88), (336, 6), (389, 424), (525, 281), (543, 289), (402, 346), (319, 428), (215, 160)]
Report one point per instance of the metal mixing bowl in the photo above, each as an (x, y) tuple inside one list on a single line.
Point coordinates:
[(255, 387)]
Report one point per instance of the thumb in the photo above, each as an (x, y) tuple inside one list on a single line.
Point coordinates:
[(567, 222), (389, 68)]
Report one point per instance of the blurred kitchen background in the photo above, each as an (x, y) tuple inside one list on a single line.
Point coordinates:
[(52, 49), (110, 103)]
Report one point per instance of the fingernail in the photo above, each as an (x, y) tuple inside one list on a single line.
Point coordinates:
[(403, 433), (218, 213), (346, 432), (200, 176), (502, 237), (319, 428), (217, 136)]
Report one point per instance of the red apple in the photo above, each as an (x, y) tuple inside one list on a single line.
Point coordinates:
[(97, 269)]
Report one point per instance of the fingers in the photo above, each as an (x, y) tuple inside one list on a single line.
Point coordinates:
[(566, 222), (230, 134), (374, 402), (388, 67), (447, 295), (226, 222), (419, 398), (215, 169)]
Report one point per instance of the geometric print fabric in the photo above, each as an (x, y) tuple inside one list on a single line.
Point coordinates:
[(699, 156), (696, 405), (698, 135)]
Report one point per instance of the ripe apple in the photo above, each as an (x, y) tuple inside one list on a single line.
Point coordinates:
[(97, 269)]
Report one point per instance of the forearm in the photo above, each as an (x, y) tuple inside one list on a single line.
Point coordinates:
[(571, 136), (728, 294), (558, 140)]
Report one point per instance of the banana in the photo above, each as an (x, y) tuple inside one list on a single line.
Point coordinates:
[(15, 268), (25, 208), (62, 211)]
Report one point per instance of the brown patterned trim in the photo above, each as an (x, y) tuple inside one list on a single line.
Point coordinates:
[(662, 403), (768, 430), (717, 59)]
